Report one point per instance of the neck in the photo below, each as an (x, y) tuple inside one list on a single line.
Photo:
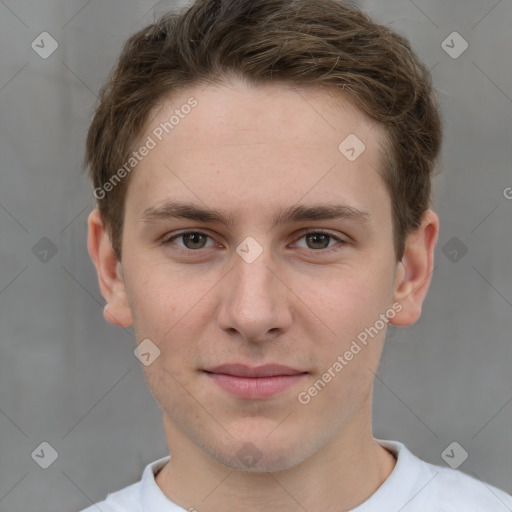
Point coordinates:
[(339, 477)]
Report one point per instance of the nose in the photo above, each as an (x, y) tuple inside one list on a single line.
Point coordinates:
[(255, 303)]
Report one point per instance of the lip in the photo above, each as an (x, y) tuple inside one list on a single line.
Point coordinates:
[(254, 382), (243, 370)]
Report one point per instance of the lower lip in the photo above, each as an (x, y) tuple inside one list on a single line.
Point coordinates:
[(255, 387)]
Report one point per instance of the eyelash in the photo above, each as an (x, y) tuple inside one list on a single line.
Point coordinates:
[(169, 240)]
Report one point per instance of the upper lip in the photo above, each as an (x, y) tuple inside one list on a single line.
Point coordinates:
[(242, 370)]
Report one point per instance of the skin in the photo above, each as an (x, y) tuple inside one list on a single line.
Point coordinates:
[(248, 151)]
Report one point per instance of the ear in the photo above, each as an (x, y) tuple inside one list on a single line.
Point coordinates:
[(414, 272), (108, 267)]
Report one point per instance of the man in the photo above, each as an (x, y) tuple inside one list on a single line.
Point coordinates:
[(263, 174)]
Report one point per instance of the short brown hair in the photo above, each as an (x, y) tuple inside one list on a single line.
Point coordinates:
[(298, 42)]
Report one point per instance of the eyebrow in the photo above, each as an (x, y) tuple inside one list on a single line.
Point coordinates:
[(176, 210)]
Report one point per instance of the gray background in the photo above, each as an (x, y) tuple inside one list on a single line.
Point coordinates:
[(70, 379)]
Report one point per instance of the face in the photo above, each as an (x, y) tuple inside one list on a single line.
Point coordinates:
[(282, 283)]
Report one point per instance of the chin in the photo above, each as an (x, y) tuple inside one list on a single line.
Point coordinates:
[(260, 454), (266, 462)]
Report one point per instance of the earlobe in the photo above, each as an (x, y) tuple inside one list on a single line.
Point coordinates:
[(110, 275), (414, 272)]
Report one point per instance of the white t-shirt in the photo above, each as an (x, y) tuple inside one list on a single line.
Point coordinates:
[(413, 486)]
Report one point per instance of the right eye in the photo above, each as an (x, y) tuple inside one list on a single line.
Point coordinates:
[(192, 240)]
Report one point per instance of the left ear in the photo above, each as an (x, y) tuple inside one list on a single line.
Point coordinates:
[(414, 272)]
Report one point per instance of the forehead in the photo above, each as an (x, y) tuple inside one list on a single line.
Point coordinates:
[(246, 148)]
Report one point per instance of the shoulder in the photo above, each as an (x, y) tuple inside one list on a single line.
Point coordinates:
[(442, 489), (455, 490), (136, 497), (124, 500)]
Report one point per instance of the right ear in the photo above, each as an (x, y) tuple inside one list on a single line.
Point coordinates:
[(110, 276)]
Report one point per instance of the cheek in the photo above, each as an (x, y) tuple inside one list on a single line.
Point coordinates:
[(175, 315), (349, 356), (348, 299), (161, 300), (169, 386)]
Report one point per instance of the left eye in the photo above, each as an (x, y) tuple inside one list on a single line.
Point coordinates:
[(194, 240), (319, 239)]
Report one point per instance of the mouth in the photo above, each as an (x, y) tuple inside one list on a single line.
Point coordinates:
[(254, 383)]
